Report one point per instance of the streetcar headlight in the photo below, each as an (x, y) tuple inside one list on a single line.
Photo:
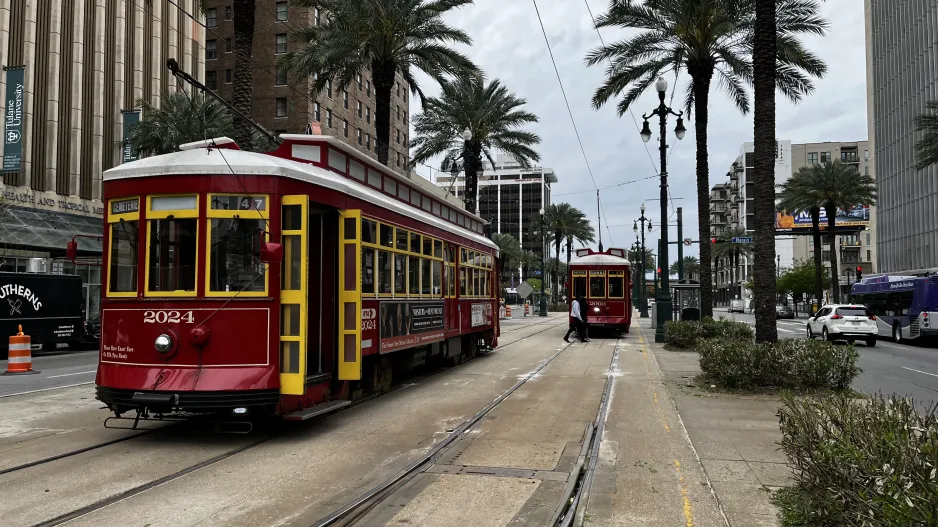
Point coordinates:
[(163, 343), (595, 310)]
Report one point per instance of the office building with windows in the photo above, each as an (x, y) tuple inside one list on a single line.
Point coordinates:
[(69, 71), (283, 103), (901, 58), (510, 197)]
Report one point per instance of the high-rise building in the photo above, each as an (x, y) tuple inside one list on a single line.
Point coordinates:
[(510, 197), (283, 103), (901, 77), (70, 70)]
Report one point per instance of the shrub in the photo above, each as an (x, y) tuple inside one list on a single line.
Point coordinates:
[(858, 463), (788, 363), (686, 334)]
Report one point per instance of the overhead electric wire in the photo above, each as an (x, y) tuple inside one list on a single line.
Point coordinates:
[(570, 112)]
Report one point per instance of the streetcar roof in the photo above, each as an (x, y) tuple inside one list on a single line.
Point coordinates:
[(225, 161), (599, 259)]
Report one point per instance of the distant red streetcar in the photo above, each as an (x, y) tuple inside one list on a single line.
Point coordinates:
[(605, 280), (282, 283)]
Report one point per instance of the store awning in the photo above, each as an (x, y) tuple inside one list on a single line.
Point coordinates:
[(31, 228)]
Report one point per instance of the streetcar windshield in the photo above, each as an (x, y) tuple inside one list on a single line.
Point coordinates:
[(123, 257), (173, 254), (235, 255)]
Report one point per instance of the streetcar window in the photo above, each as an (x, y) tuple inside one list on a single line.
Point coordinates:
[(390, 186), (403, 193), (579, 286), (428, 246), (425, 276), (400, 274), (451, 280), (369, 231), (172, 254), (436, 208), (223, 202), (464, 255), (616, 286), (161, 203), (387, 235), (462, 281), (437, 278), (477, 282), (374, 178), (291, 273), (415, 199), (414, 276), (235, 263), (368, 271), (414, 243), (384, 272), (292, 217), (122, 276), (597, 287), (437, 248), (402, 239)]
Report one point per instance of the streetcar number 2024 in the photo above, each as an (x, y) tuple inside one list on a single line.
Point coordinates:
[(162, 317)]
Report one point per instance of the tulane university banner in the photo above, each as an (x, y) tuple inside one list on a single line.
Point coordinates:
[(131, 118), (14, 119)]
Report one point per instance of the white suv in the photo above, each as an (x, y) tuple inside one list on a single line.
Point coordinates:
[(848, 322)]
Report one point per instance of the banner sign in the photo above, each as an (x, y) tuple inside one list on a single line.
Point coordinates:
[(855, 219), (481, 314), (407, 324), (131, 118), (14, 119)]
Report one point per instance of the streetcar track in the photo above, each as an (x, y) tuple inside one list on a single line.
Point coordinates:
[(129, 493)]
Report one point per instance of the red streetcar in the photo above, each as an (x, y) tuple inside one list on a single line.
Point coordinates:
[(282, 283), (605, 280)]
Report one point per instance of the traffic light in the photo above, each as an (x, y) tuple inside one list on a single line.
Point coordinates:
[(717, 240), (859, 273), (659, 270)]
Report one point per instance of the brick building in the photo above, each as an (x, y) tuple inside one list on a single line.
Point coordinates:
[(284, 103)]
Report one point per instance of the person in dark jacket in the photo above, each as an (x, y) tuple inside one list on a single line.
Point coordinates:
[(584, 330)]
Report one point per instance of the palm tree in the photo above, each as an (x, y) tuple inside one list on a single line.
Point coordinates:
[(691, 267), (490, 113), (560, 221), (635, 257), (581, 232), (802, 192), (528, 262), (926, 150), (509, 250), (844, 188), (705, 38), (386, 38), (732, 252), (179, 118)]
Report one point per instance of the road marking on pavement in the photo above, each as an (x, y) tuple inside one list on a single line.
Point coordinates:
[(688, 514), (46, 389), (920, 371), (70, 374), (787, 330), (888, 345)]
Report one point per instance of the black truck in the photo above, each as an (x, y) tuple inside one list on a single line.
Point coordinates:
[(48, 306)]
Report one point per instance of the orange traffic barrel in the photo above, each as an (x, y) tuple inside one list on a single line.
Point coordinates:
[(20, 360), (508, 311)]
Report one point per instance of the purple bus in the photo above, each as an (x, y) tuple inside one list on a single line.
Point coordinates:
[(906, 307)]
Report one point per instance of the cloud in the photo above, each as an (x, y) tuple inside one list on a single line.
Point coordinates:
[(509, 45)]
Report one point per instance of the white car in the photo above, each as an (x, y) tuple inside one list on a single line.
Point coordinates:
[(737, 306), (848, 322)]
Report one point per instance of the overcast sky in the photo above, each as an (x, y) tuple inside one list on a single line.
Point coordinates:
[(509, 45)]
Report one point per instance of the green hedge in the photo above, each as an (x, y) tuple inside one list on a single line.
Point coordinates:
[(788, 363), (859, 462), (686, 334)]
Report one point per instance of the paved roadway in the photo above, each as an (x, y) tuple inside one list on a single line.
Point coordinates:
[(57, 370), (902, 368)]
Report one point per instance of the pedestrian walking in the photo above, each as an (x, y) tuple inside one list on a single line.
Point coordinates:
[(585, 325), (574, 320)]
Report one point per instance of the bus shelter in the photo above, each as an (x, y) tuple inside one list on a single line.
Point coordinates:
[(685, 295)]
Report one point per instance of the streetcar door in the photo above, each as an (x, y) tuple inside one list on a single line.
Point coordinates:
[(322, 270), (350, 298), (294, 284)]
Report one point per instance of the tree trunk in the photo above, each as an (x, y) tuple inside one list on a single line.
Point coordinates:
[(818, 265), (832, 239), (241, 93), (701, 85), (472, 167), (383, 77), (764, 56)]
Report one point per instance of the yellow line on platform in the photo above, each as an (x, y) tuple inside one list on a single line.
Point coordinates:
[(688, 514)]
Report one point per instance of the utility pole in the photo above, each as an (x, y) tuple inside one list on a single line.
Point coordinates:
[(680, 245)]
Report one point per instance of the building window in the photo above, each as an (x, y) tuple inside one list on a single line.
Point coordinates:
[(812, 158), (211, 80), (228, 46), (868, 258), (228, 76), (282, 11), (398, 138), (368, 142), (281, 77), (358, 133), (398, 160), (345, 128), (329, 88), (368, 115), (358, 108), (398, 112), (359, 82), (397, 85), (345, 99), (316, 19), (849, 157), (281, 43), (211, 17), (368, 88), (329, 118), (228, 12), (281, 107), (825, 157), (867, 239), (211, 50), (316, 114)]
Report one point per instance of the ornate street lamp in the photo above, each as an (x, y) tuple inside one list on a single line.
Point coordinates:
[(543, 310), (642, 301)]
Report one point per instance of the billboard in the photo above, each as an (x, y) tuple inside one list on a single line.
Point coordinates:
[(406, 324), (855, 219)]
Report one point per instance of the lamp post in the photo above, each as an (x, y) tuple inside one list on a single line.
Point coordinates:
[(642, 301), (543, 310), (636, 251), (662, 111)]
